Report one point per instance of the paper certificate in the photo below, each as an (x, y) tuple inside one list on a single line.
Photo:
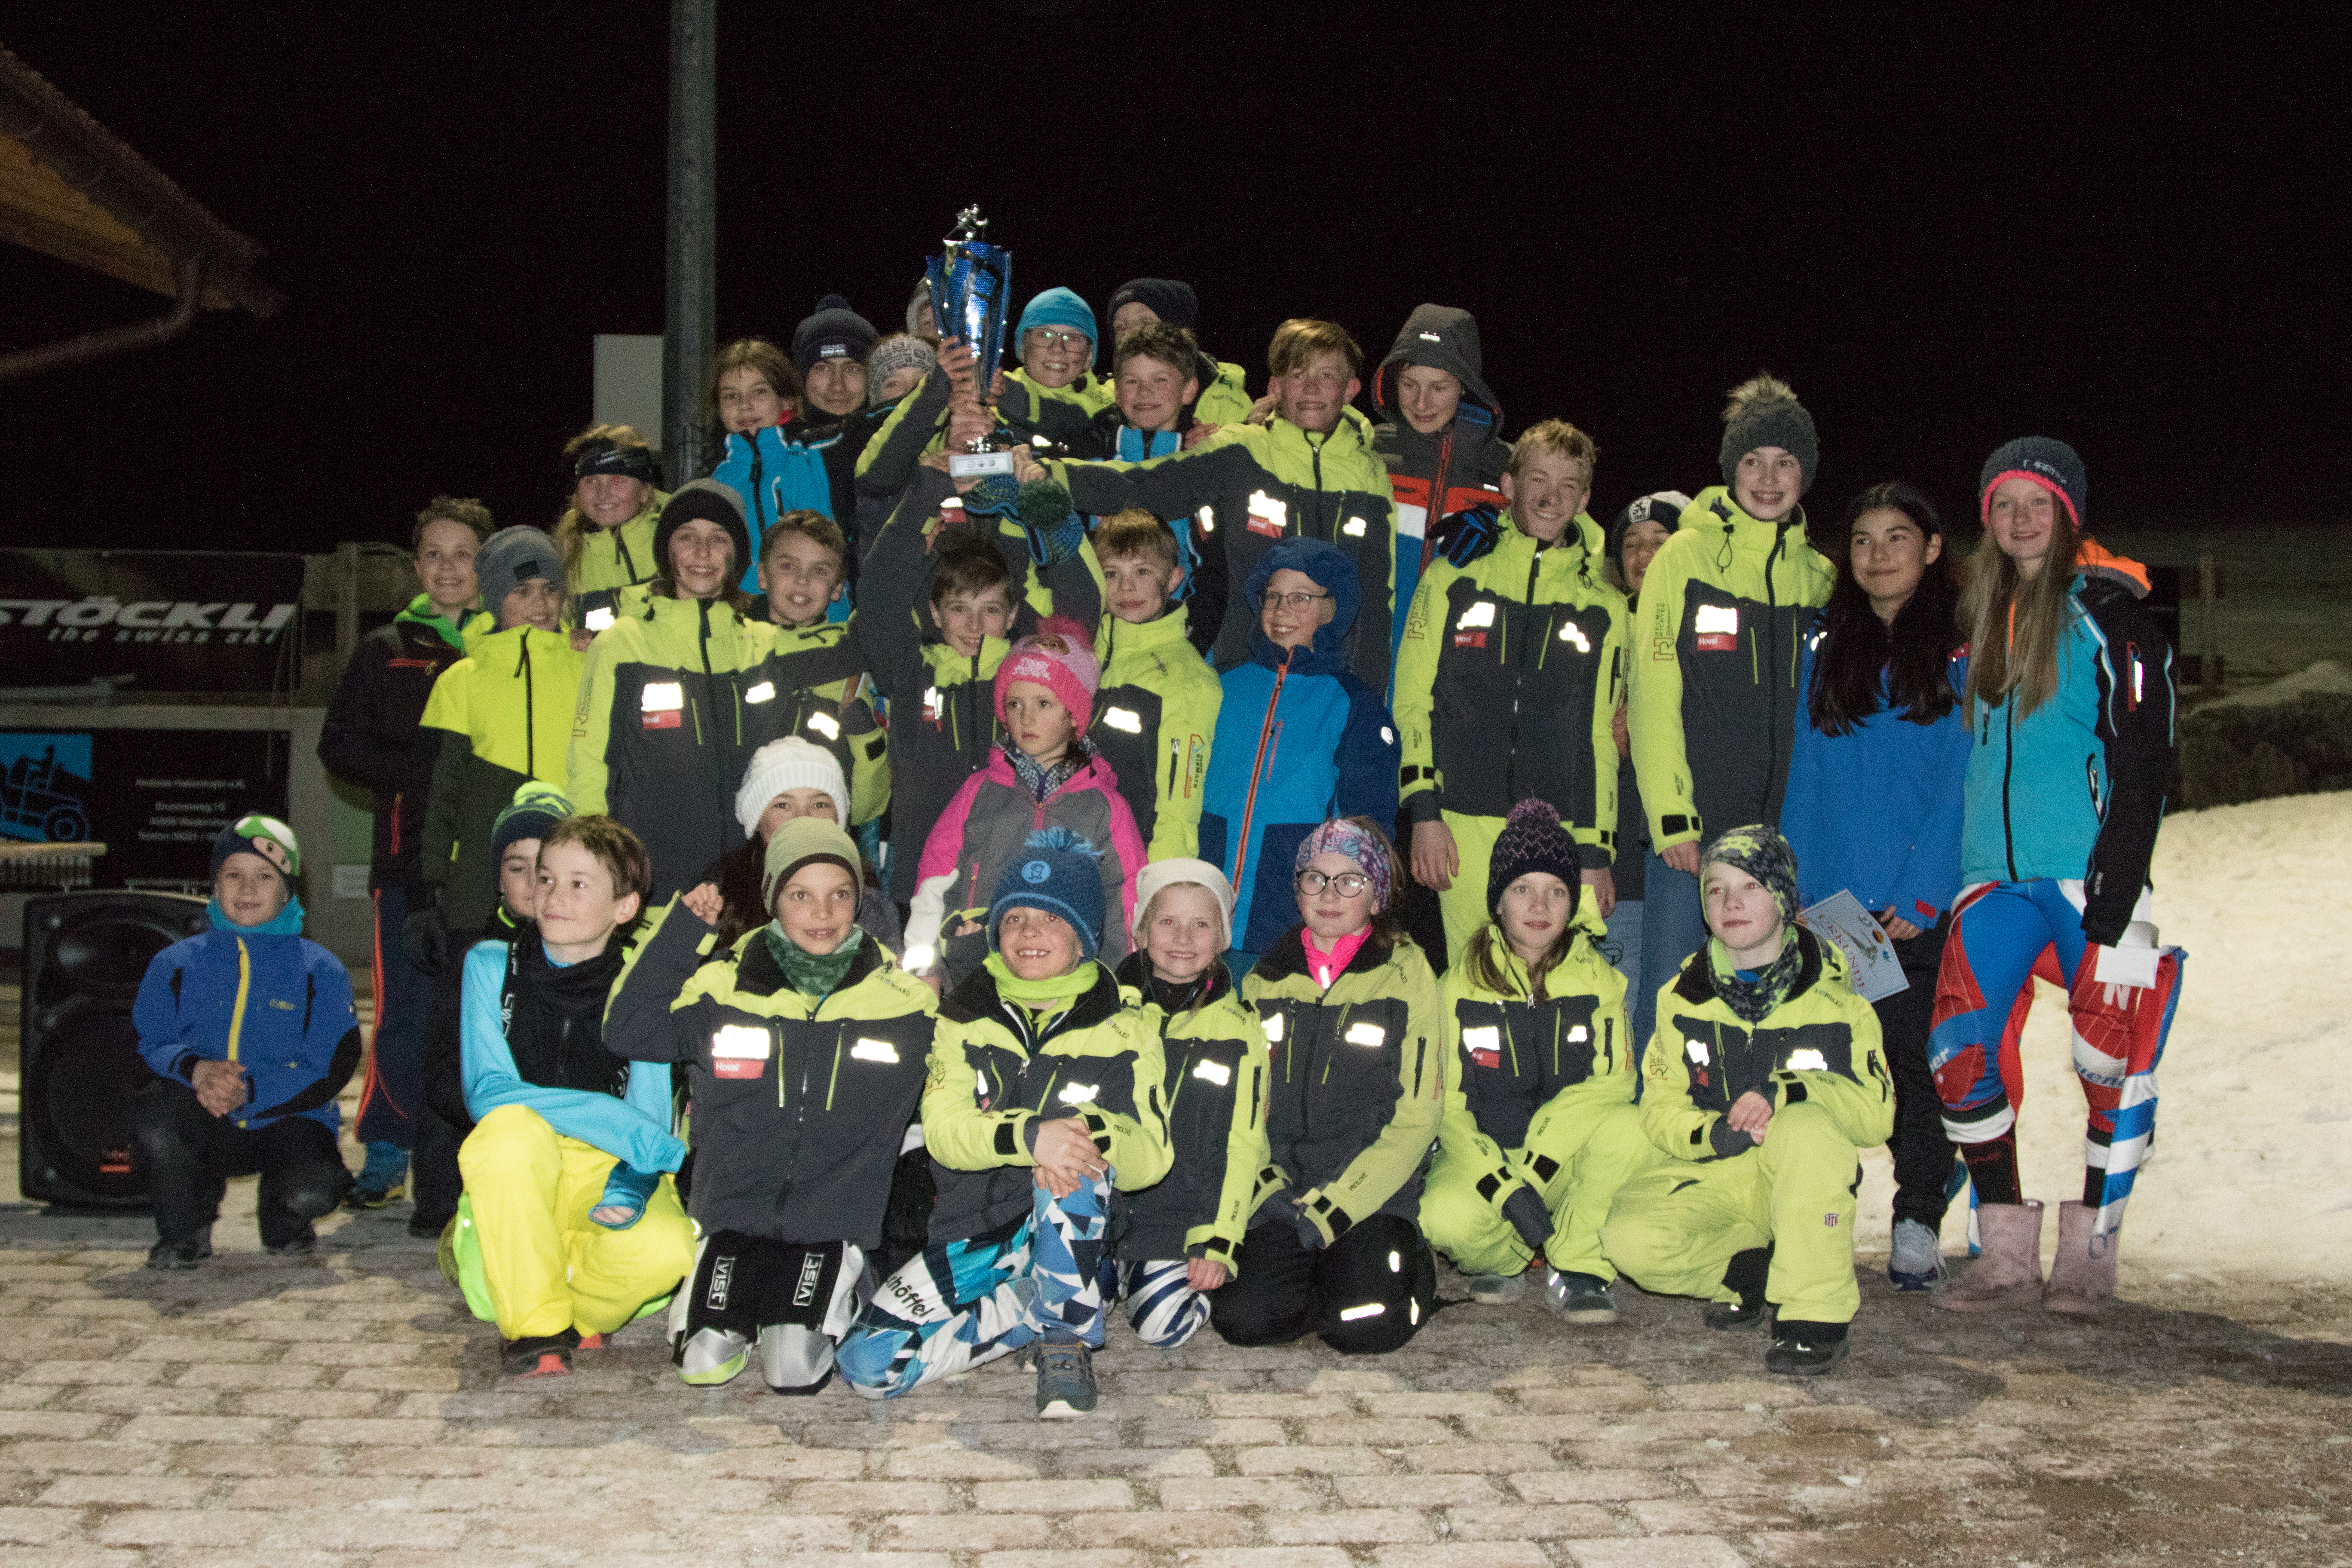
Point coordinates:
[(1869, 952)]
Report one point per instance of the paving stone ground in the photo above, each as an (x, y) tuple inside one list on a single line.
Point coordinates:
[(345, 1409)]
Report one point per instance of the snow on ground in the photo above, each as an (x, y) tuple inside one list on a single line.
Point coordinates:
[(2251, 1167)]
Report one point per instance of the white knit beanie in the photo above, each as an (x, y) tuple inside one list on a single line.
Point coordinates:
[(789, 764), (1170, 873)]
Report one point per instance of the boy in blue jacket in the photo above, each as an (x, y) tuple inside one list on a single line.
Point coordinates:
[(251, 1030), (1299, 741), (578, 1225)]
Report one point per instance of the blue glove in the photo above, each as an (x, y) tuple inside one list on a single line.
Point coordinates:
[(1466, 535), (1054, 530), (991, 495), (627, 1188)]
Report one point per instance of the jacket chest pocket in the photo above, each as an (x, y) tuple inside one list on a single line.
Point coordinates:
[(1059, 1085), (1571, 1042), (996, 1077), (663, 709), (882, 1065), (1808, 1047), (1356, 1078), (1707, 1045), (1499, 1073), (1204, 1078), (742, 1050)]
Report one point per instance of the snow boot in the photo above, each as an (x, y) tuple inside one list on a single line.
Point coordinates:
[(1498, 1289), (2083, 1275), (2008, 1273), (1916, 1261), (1580, 1298), (1746, 1273)]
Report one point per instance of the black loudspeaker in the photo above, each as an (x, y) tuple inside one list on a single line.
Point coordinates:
[(85, 954)]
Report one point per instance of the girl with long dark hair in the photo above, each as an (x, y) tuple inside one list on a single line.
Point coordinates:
[(1874, 804)]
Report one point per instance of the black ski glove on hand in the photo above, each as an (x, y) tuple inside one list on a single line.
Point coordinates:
[(1727, 1140), (424, 937), (1308, 1236), (1524, 1209)]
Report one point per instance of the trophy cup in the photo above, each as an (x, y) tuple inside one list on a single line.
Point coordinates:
[(971, 284)]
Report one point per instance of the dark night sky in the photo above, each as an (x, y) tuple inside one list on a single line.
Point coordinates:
[(2125, 230)]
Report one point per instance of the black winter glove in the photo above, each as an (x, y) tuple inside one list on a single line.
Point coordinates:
[(1468, 536), (1308, 1236), (424, 937), (1524, 1209), (1727, 1140)]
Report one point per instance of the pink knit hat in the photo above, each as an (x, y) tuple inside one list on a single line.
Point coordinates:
[(1061, 659)]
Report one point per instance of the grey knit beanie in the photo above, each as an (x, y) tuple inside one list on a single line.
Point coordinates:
[(1765, 413)]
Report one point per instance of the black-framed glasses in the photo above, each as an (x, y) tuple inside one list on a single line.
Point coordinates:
[(1296, 601), (1349, 883)]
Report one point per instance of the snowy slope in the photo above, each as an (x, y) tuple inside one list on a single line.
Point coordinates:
[(2251, 1167)]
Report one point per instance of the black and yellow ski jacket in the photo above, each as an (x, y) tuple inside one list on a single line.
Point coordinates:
[(1216, 1094), (1356, 1081), (1713, 698), (662, 732), (503, 716), (800, 1102)]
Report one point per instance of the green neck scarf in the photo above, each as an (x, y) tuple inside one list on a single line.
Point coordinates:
[(812, 974), (1051, 994), (451, 630)]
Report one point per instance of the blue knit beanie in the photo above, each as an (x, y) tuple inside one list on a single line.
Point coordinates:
[(1058, 872), (1059, 308)]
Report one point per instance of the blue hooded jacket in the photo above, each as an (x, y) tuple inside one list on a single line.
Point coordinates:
[(774, 474), (1299, 741)]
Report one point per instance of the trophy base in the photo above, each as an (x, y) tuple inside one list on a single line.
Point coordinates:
[(978, 464)]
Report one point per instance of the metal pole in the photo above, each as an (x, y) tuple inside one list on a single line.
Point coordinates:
[(691, 327)]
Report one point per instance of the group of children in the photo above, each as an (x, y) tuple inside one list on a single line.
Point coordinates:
[(889, 919)]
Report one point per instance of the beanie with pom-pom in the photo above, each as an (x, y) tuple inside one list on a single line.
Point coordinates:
[(1060, 658), (1059, 872), (1765, 412), (1532, 839)]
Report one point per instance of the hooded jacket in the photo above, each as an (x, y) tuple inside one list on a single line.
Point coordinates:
[(1713, 665), (809, 681), (612, 559), (1507, 685), (1155, 715), (2076, 789), (501, 716), (775, 474), (277, 1006), (1299, 740), (800, 1102), (1447, 471), (1266, 483), (995, 1070), (1355, 1083), (1903, 850), (1512, 1056), (1821, 1044), (662, 732), (371, 737), (982, 830), (1216, 1094)]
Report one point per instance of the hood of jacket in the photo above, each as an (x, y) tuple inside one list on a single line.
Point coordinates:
[(1443, 338), (469, 629), (2094, 562), (1330, 571), (1091, 774)]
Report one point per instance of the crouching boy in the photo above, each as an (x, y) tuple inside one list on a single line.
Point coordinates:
[(251, 1029), (579, 1227), (807, 1046), (1045, 1095), (1765, 1079), (1540, 1131)]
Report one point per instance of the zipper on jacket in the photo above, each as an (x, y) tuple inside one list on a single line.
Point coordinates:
[(1518, 671), (2007, 766), (628, 563), (1771, 650), (530, 711), (1265, 734)]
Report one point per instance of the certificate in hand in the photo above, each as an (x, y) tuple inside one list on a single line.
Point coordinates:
[(1869, 952)]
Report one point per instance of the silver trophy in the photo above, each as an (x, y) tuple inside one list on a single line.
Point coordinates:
[(971, 288)]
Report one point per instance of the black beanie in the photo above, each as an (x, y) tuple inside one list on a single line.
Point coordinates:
[(1532, 840), (2053, 465), (834, 331), (603, 455), (705, 498), (1769, 415), (1172, 301)]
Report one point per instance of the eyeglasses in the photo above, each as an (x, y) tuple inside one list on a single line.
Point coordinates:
[(1349, 883), (1294, 601), (1046, 337)]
